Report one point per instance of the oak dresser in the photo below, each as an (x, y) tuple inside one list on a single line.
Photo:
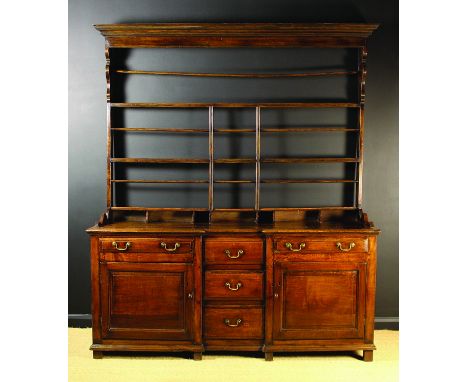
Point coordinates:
[(262, 279)]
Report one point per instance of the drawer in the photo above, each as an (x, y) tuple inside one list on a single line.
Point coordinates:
[(308, 244), (234, 285), (172, 245), (242, 251), (229, 323), (141, 250)]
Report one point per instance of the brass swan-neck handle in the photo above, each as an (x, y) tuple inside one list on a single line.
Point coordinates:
[(164, 245), (228, 285), (290, 247), (116, 246), (227, 322), (240, 252)]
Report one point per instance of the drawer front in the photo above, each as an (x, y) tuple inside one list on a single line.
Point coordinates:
[(168, 245), (240, 323), (241, 251), (308, 244), (234, 285), (143, 257)]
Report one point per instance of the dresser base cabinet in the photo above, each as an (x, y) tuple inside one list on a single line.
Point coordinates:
[(248, 291)]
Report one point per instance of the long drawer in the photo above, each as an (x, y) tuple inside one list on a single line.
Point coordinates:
[(171, 245), (138, 249), (230, 323), (233, 284), (311, 244)]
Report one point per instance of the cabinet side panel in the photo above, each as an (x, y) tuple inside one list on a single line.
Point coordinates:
[(95, 297), (269, 289), (197, 291), (370, 290)]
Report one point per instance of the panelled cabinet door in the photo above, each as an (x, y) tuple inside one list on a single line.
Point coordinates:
[(318, 300), (147, 301)]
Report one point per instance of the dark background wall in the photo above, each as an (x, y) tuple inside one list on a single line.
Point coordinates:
[(87, 118)]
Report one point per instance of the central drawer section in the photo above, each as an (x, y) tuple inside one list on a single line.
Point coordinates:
[(233, 289)]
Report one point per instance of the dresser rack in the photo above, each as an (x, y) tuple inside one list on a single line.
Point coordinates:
[(187, 255)]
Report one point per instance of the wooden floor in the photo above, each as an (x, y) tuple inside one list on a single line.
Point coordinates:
[(233, 368)]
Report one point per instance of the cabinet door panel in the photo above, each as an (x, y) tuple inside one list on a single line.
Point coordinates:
[(319, 300), (148, 301)]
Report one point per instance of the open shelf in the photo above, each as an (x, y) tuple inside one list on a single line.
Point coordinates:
[(268, 105), (239, 75), (160, 160), (235, 162)]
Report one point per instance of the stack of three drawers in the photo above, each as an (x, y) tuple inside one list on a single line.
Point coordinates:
[(233, 293)]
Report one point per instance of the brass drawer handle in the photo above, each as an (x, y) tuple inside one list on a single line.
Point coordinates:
[(290, 247), (227, 322), (228, 285), (240, 252), (164, 245), (116, 246), (340, 247)]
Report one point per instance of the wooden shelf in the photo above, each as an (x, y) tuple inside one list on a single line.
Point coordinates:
[(234, 181), (308, 208), (239, 75), (236, 131), (310, 160), (234, 160), (306, 129), (160, 160), (266, 105), (279, 181), (156, 181), (136, 208), (139, 208), (159, 130)]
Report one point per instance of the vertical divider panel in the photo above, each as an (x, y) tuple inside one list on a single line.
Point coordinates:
[(211, 164), (362, 70), (257, 158), (109, 131)]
